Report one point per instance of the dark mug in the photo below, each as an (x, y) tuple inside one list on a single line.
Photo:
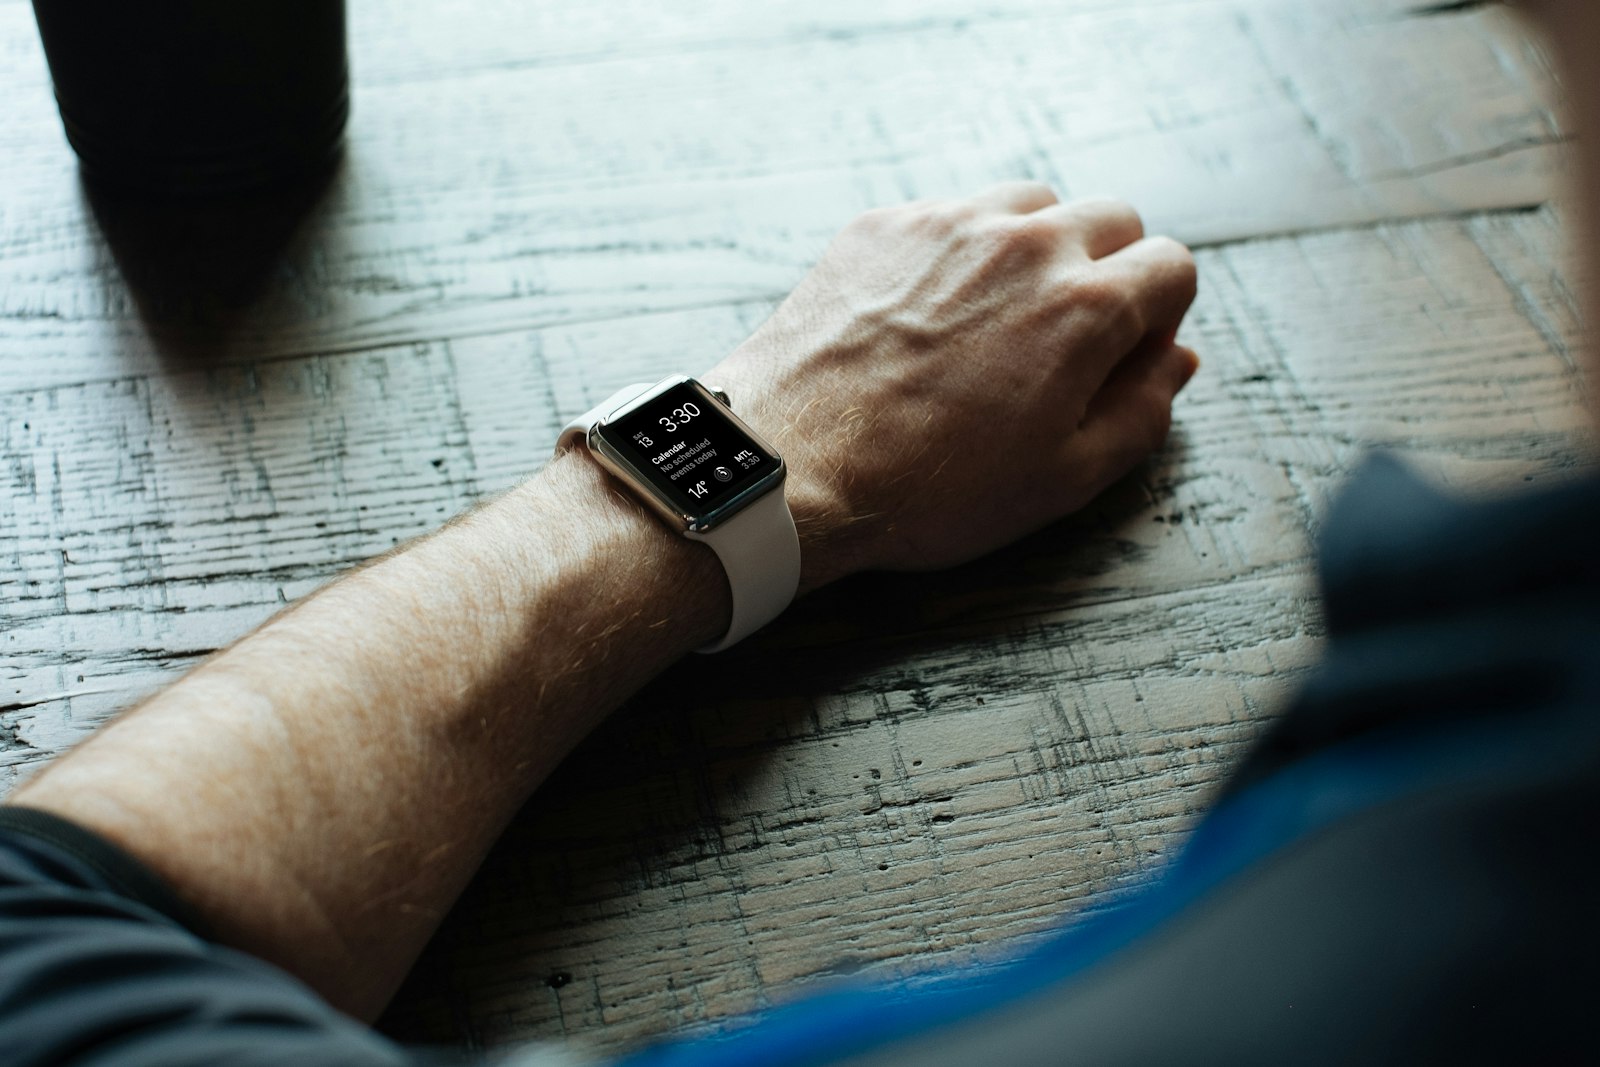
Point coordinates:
[(199, 96)]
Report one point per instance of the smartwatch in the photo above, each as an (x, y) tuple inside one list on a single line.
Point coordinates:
[(680, 448)]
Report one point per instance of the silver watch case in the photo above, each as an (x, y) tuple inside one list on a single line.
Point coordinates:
[(613, 460)]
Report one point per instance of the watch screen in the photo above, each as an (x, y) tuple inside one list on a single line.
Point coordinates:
[(683, 443)]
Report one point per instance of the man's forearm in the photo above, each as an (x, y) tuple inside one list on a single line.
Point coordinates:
[(400, 716), (951, 376)]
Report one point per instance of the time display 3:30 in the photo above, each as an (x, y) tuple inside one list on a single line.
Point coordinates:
[(674, 419), (678, 416)]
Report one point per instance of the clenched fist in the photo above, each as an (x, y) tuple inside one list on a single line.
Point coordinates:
[(954, 374)]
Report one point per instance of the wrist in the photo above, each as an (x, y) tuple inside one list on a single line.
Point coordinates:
[(678, 447), (827, 526), (619, 564), (824, 525)]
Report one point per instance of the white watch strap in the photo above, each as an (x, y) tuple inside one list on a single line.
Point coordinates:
[(759, 547), (760, 550), (578, 429)]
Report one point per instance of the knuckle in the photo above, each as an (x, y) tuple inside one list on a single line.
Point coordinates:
[(1093, 293), (1025, 236), (1111, 302), (1107, 203), (1172, 248), (876, 220), (1111, 205), (1030, 188), (891, 217), (1179, 260), (939, 219), (1108, 214), (957, 213), (1157, 419)]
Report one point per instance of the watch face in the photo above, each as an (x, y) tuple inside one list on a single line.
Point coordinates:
[(682, 442)]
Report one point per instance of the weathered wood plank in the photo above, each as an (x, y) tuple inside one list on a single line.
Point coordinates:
[(162, 516), (1121, 659), (543, 201), (1045, 725), (500, 196), (912, 808)]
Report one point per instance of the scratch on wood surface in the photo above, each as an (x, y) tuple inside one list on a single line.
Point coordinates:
[(1450, 7), (542, 203), (511, 215)]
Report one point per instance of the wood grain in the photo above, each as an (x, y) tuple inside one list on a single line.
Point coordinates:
[(206, 413), (497, 195)]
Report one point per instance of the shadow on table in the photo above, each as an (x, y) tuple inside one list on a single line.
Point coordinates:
[(198, 270), (641, 808)]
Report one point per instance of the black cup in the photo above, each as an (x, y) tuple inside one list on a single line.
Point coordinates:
[(190, 97)]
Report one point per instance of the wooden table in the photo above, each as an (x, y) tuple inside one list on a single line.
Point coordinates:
[(205, 418)]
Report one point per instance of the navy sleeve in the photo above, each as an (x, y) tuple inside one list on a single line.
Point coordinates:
[(101, 964), (1401, 872)]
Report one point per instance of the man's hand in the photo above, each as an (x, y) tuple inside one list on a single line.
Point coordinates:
[(955, 374)]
